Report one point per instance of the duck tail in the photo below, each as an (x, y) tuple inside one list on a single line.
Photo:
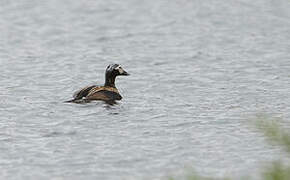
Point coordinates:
[(78, 101), (70, 101)]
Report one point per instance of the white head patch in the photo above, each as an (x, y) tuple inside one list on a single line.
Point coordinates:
[(120, 69)]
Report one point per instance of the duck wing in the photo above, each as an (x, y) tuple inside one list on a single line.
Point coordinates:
[(83, 92), (104, 94)]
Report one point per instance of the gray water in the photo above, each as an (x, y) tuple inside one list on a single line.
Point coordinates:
[(200, 70)]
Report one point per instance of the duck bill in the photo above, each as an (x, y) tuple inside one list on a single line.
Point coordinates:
[(125, 73)]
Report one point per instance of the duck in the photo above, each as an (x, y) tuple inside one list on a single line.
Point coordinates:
[(108, 92)]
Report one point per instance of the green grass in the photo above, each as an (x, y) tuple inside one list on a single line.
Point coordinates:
[(272, 129), (277, 172), (274, 132)]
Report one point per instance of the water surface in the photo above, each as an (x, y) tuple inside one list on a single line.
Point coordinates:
[(200, 69)]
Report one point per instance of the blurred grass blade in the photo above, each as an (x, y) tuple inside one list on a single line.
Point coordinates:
[(274, 132)]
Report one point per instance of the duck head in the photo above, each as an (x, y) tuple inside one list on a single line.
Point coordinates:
[(112, 71)]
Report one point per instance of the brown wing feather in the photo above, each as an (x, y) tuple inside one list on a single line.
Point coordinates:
[(96, 93), (100, 95), (104, 93), (83, 92)]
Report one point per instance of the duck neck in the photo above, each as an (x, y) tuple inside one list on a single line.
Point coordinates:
[(110, 80)]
